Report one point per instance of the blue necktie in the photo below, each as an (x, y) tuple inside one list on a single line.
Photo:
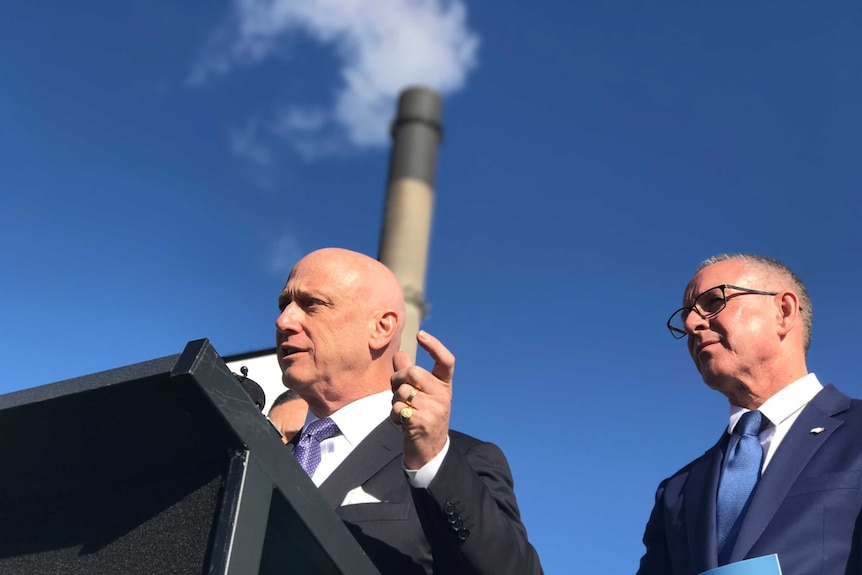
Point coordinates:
[(738, 478), (307, 450)]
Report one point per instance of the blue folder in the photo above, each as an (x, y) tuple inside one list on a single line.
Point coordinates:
[(766, 565)]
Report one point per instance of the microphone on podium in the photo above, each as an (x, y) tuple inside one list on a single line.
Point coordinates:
[(252, 388)]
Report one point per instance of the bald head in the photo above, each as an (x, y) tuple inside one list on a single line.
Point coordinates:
[(340, 324), (365, 282), (357, 271)]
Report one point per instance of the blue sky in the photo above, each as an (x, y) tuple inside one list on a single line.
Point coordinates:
[(162, 165)]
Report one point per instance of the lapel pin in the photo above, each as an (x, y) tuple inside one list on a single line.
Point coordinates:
[(816, 430)]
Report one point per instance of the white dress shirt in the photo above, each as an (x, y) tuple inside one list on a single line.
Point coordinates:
[(355, 421), (781, 409)]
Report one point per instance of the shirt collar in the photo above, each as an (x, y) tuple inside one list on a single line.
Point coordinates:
[(359, 418), (784, 403)]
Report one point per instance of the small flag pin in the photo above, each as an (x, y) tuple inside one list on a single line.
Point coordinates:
[(816, 430)]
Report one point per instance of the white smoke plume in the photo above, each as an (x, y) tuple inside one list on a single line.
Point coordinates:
[(382, 46)]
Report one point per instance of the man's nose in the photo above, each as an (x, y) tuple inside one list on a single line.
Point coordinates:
[(694, 321), (288, 319)]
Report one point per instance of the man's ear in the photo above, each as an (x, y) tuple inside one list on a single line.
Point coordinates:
[(385, 328), (788, 312)]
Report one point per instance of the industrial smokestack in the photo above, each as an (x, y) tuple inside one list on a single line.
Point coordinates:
[(416, 133)]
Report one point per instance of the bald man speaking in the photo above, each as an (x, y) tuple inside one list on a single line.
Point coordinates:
[(419, 497)]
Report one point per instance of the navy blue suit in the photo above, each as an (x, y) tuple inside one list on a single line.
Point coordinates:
[(806, 507)]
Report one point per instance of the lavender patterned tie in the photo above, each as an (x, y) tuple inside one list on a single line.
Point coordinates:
[(307, 450)]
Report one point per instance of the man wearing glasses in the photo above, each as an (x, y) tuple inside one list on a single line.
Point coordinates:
[(786, 476)]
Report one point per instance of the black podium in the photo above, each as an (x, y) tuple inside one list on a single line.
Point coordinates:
[(164, 466)]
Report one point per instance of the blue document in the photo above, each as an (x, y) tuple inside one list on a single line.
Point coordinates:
[(767, 565)]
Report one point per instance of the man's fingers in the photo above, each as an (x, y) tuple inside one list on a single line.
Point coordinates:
[(406, 371), (405, 393), (444, 361), (401, 360)]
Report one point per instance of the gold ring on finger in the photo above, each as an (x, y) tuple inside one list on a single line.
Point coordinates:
[(410, 398), (406, 413)]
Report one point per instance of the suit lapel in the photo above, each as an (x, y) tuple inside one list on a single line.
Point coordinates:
[(373, 453), (796, 450), (291, 445), (700, 490)]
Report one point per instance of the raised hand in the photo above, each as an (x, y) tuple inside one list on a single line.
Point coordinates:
[(422, 401)]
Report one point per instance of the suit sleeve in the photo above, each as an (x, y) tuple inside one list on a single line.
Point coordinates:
[(470, 515), (656, 559)]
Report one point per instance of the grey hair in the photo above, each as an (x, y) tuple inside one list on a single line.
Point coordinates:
[(770, 265)]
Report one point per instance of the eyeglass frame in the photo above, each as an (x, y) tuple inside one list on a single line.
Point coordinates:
[(743, 291)]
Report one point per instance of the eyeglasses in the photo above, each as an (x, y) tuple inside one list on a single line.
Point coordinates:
[(707, 305)]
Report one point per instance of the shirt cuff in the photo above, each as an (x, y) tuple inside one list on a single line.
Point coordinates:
[(422, 478)]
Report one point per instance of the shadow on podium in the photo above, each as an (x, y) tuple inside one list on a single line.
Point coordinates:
[(164, 466)]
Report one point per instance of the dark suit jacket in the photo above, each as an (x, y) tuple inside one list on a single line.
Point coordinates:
[(467, 521), (806, 507)]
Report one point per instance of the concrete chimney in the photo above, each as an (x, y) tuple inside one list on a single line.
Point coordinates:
[(416, 134)]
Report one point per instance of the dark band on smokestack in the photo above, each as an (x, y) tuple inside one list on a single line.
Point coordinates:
[(416, 134)]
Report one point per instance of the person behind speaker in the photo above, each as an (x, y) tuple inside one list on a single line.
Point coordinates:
[(747, 322), (418, 496), (288, 413)]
